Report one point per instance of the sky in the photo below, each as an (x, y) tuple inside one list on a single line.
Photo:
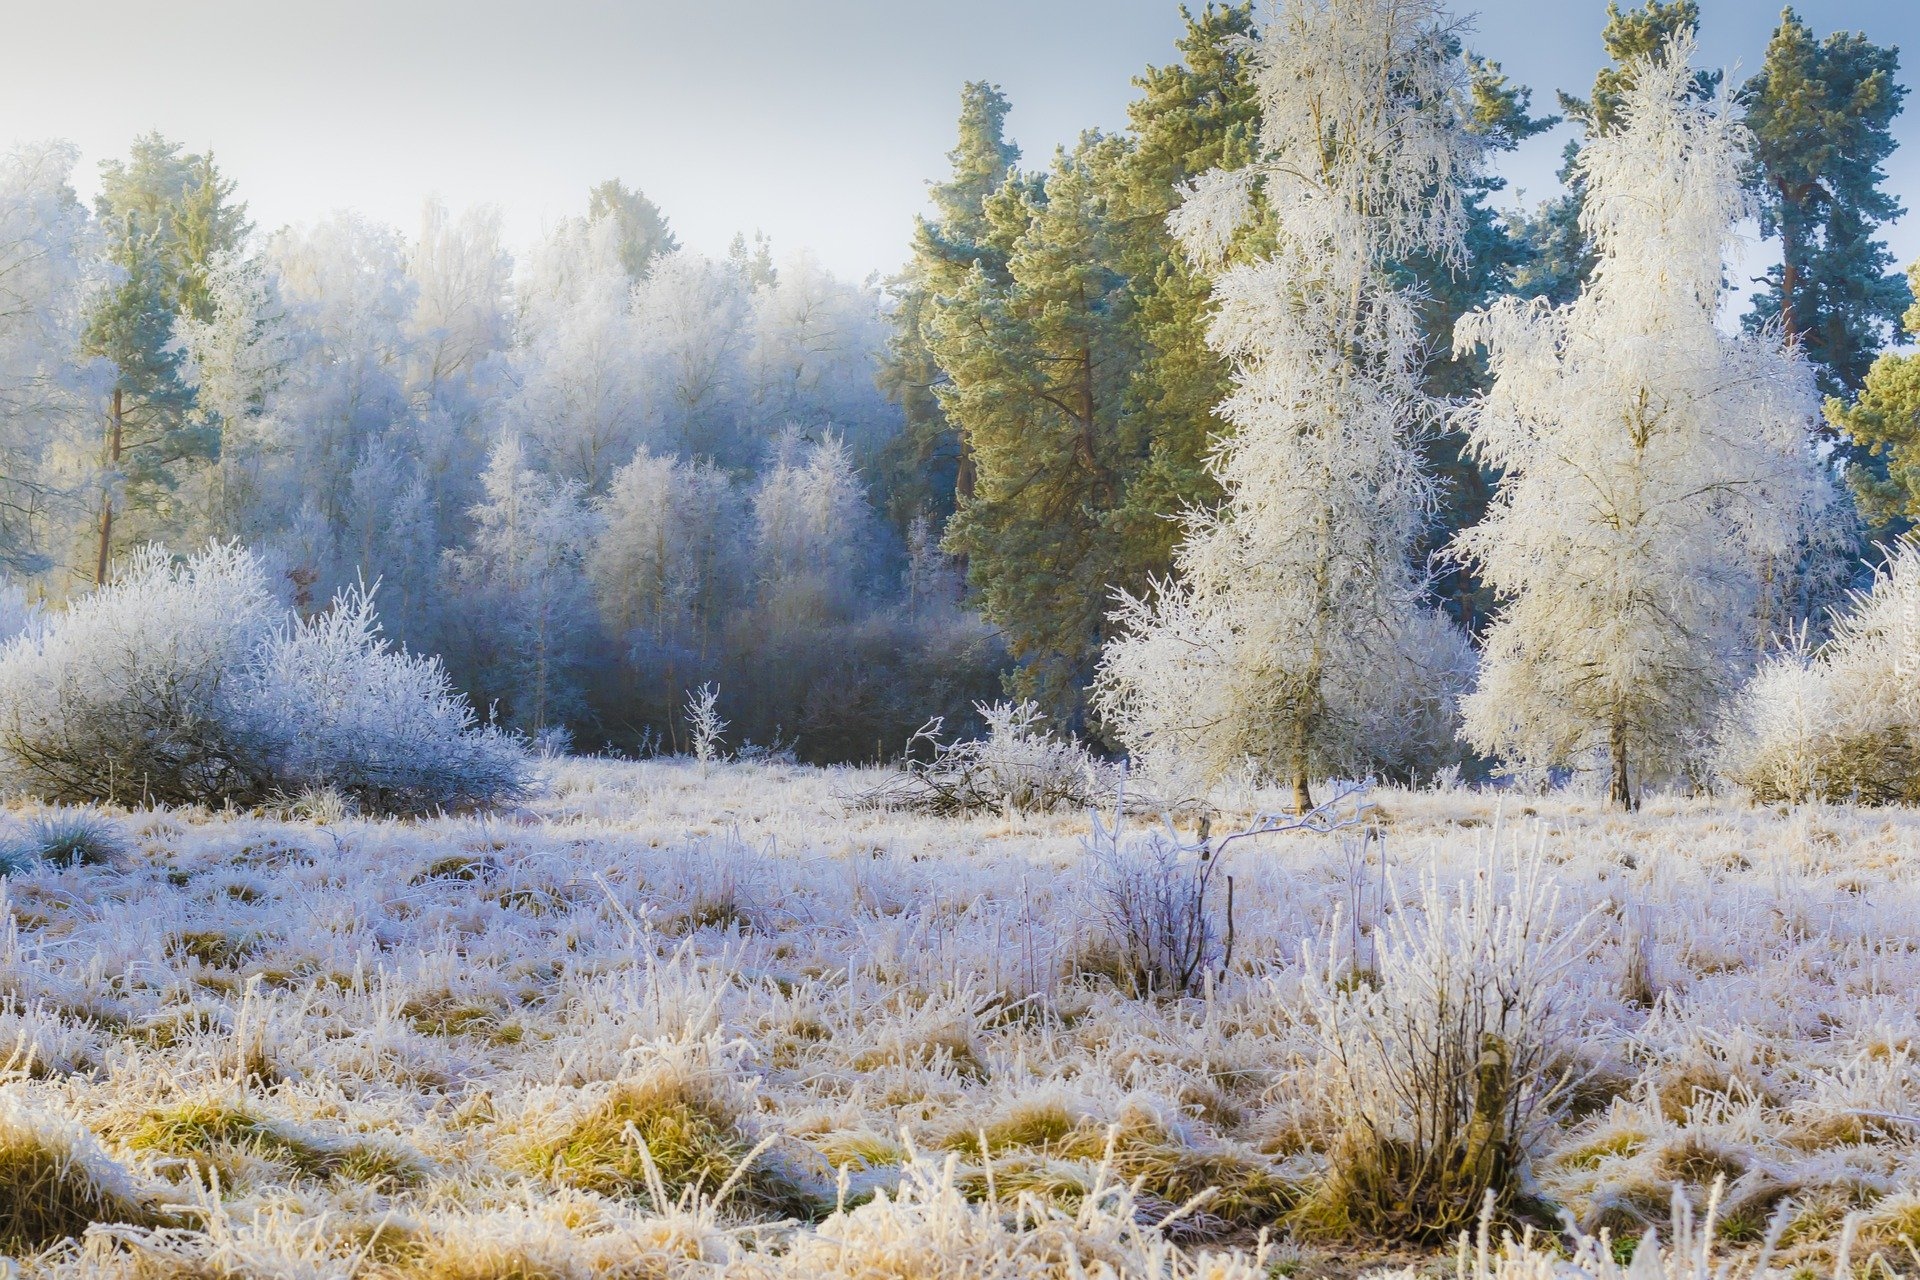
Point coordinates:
[(819, 122)]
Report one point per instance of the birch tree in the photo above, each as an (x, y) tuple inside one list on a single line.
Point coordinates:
[(1653, 465), (1295, 633)]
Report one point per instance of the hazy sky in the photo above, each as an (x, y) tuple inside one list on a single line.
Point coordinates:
[(819, 121)]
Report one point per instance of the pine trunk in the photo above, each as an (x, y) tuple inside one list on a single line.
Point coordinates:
[(104, 558)]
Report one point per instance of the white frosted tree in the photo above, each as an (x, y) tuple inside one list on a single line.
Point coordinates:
[(816, 343), (667, 565), (1653, 465), (813, 534), (582, 401), (1295, 633), (235, 361), (49, 420), (347, 300), (692, 316), (524, 580)]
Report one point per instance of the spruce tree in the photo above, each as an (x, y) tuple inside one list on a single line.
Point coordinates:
[(1822, 116)]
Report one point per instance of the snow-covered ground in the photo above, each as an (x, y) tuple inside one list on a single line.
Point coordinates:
[(538, 1044)]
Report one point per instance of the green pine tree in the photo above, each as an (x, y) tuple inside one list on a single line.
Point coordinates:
[(1036, 364), (926, 466), (1822, 116), (1196, 114), (167, 217), (1884, 421), (644, 233)]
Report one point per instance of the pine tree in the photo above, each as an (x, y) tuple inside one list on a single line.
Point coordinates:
[(1037, 364), (1557, 257), (1822, 115), (1884, 420), (1085, 318), (927, 465), (1191, 116), (1295, 636), (168, 218), (643, 230), (1653, 467)]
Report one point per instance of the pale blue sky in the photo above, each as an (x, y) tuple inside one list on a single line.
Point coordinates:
[(818, 121)]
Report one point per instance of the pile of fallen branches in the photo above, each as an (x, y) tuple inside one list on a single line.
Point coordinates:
[(1020, 766)]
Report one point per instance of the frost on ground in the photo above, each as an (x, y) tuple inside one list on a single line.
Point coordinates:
[(675, 1020)]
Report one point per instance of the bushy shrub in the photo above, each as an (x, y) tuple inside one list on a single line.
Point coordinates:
[(347, 712), (188, 683), (1153, 902), (134, 692), (1842, 722), (1444, 1058), (1020, 765)]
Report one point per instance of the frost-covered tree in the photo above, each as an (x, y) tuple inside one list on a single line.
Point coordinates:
[(667, 565), (1296, 634), (583, 399), (525, 591), (235, 360), (347, 297), (691, 314), (1654, 466), (49, 397), (811, 534), (816, 342)]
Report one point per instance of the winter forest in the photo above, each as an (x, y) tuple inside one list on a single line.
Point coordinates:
[(1266, 704)]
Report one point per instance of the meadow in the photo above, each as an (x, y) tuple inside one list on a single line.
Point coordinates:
[(685, 1019)]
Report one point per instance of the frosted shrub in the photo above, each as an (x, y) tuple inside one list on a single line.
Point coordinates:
[(1444, 1059), (1020, 765), (349, 713), (1843, 722), (190, 684), (705, 728), (132, 693), (1164, 923)]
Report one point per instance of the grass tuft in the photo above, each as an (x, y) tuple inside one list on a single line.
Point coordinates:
[(695, 1136), (55, 1181)]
